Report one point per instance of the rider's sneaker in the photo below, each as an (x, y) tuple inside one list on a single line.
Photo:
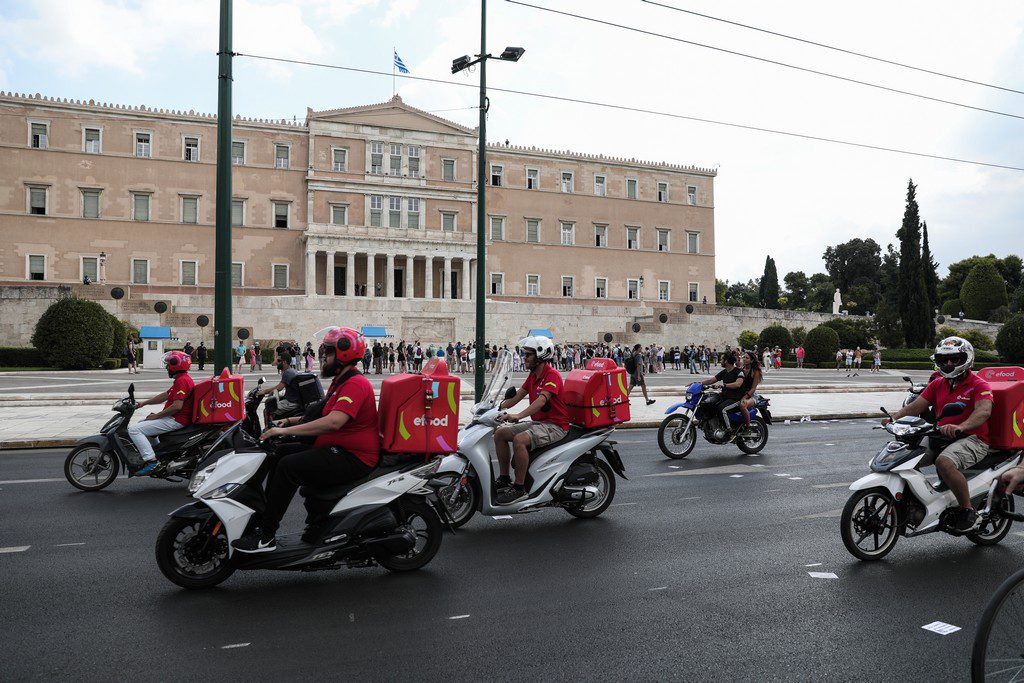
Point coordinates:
[(513, 494), (148, 467), (965, 520), (256, 542), (650, 401), (502, 482)]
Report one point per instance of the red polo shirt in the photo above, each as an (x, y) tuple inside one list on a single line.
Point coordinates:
[(356, 399), (968, 391), (550, 381), (181, 390)]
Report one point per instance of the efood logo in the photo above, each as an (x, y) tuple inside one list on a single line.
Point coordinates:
[(436, 422), (218, 404)]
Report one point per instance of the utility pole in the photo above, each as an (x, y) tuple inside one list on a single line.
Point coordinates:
[(222, 284), (481, 212)]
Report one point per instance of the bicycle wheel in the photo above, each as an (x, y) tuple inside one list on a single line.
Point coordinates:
[(997, 654)]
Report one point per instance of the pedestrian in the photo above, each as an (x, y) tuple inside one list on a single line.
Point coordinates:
[(201, 355), (766, 360), (876, 363), (839, 359), (417, 358), (252, 358), (309, 354), (849, 361), (259, 356), (635, 366), (239, 356), (189, 349), (800, 356), (401, 356), (857, 355), (378, 358)]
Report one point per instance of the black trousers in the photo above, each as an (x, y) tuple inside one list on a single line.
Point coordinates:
[(329, 466)]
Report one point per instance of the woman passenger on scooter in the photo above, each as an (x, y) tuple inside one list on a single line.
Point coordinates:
[(347, 445), (752, 377)]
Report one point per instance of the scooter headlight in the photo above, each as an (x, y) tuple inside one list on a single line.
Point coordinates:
[(428, 470), (222, 491), (200, 477)]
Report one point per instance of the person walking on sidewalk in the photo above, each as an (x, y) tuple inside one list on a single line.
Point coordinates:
[(259, 357), (849, 361), (876, 363), (130, 351), (800, 356), (201, 355), (634, 364)]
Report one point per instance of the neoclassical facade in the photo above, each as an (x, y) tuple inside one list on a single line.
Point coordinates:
[(374, 201)]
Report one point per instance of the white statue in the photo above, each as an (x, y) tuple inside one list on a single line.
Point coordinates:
[(837, 302)]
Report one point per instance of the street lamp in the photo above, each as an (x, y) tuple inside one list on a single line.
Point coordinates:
[(510, 54), (103, 261), (641, 283)]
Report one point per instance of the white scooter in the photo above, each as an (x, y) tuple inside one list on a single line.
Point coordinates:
[(576, 474), (387, 519), (897, 499)]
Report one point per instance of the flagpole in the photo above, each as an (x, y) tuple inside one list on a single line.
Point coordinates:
[(394, 51)]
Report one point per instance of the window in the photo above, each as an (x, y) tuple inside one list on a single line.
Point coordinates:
[(632, 289), (497, 228), (448, 170), (497, 283), (37, 200), (376, 210), (631, 188), (237, 153), (532, 179), (691, 195), (694, 291), (663, 240), (693, 243), (377, 158), (143, 144), (92, 140), (339, 214), (188, 273), (191, 148), (601, 287), (394, 212), (567, 181), (532, 230), (600, 235), (237, 274), (280, 276), (140, 271), (282, 153), (496, 172), (533, 285), (662, 192), (447, 221), (91, 268), (140, 207), (395, 167), (632, 238), (664, 290), (600, 185), (568, 234), (339, 158), (414, 213), (190, 209), (36, 267), (237, 212), (414, 161), (281, 214), (567, 286), (38, 134)]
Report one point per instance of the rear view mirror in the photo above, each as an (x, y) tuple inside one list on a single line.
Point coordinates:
[(512, 391), (131, 391), (906, 378), (952, 410), (262, 380)]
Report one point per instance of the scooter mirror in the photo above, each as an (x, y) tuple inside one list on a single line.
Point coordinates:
[(512, 391), (131, 391), (906, 378), (262, 380)]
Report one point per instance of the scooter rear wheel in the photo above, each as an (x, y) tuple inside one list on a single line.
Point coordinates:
[(606, 493), (428, 529), (90, 469), (869, 525), (193, 553)]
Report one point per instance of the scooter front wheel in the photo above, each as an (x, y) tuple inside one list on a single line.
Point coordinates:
[(869, 525), (426, 525), (193, 553), (88, 468), (463, 503), (674, 440)]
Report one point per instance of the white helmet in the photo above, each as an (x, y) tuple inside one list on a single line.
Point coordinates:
[(542, 346), (953, 357)]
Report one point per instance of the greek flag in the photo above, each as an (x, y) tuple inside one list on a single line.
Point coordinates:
[(400, 64)]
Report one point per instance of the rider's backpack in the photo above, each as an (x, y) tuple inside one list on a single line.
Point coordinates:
[(310, 389), (629, 362)]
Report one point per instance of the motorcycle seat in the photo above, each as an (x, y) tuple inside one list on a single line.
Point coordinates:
[(990, 461), (575, 432), (339, 491), (179, 435)]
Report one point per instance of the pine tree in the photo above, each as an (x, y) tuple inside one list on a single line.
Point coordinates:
[(914, 306), (769, 290), (931, 269)]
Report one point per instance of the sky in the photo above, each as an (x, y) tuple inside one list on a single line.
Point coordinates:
[(774, 195)]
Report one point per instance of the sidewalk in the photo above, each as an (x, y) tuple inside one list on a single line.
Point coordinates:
[(32, 426)]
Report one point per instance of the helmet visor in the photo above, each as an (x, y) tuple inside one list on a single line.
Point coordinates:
[(949, 361)]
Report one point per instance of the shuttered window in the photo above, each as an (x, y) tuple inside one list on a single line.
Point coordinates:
[(190, 209), (90, 203)]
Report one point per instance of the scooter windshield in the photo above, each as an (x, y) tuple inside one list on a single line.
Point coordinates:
[(495, 392)]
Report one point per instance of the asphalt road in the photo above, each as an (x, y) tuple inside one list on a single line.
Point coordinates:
[(693, 574), (154, 381)]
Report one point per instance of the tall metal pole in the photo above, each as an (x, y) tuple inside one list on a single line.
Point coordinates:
[(481, 209), (222, 284)]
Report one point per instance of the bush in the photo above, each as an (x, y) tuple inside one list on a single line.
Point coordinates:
[(1017, 300), (821, 345), (111, 364), (984, 290), (17, 357), (923, 356), (268, 354), (776, 335), (945, 331), (979, 340), (74, 334), (999, 315), (852, 333), (792, 364), (952, 307), (747, 339), (799, 335), (1010, 340)]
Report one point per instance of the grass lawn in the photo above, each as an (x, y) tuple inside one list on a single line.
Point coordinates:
[(6, 369)]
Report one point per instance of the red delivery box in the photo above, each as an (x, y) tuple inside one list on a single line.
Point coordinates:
[(597, 396), (1007, 374), (219, 399), (1006, 426), (420, 413)]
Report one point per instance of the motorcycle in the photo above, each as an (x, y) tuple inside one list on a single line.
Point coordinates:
[(896, 499), (677, 434), (94, 462), (576, 474), (388, 518)]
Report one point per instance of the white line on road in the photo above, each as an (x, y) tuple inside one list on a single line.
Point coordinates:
[(941, 627), (795, 478), (781, 475), (735, 476), (30, 481), (690, 498), (823, 515), (659, 588), (623, 504), (502, 517), (822, 575), (816, 564), (771, 491), (15, 549), (836, 485), (458, 616), (234, 645), (64, 545)]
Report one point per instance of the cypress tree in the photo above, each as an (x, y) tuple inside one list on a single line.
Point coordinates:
[(769, 290), (931, 269), (914, 306)]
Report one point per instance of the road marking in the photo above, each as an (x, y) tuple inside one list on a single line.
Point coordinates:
[(623, 504), (757, 465), (690, 498), (771, 491), (735, 476), (822, 575), (725, 469), (15, 549), (30, 481), (675, 467), (836, 485), (64, 545), (816, 564), (234, 645), (458, 616), (795, 478), (781, 475), (823, 515), (830, 444), (941, 627), (659, 588), (502, 517)]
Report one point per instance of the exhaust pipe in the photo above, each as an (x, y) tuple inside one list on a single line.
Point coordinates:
[(575, 493), (392, 544)]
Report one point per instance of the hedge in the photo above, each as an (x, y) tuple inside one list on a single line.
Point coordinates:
[(1010, 340), (747, 339), (17, 357), (821, 345), (111, 364), (776, 335), (792, 364), (924, 355)]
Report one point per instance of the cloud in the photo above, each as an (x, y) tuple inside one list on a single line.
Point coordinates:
[(397, 10)]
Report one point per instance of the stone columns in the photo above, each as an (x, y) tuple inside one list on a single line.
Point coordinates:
[(350, 274), (329, 291), (467, 283), (389, 278), (409, 291), (371, 275), (428, 277), (310, 273), (446, 282)]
